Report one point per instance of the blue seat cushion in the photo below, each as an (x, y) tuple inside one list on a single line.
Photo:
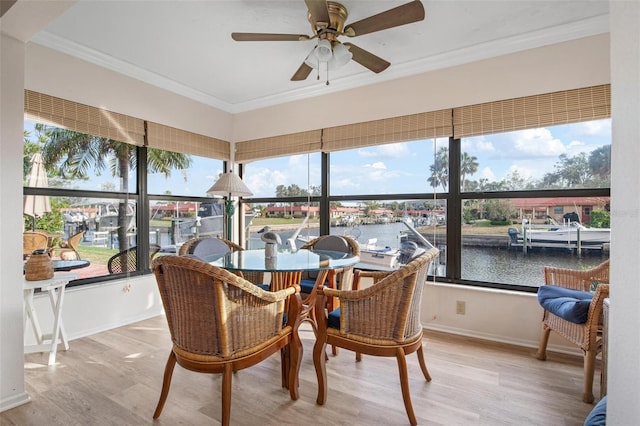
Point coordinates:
[(306, 285), (333, 319), (265, 287), (598, 416), (572, 305)]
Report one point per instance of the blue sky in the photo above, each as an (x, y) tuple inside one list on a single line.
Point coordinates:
[(402, 167)]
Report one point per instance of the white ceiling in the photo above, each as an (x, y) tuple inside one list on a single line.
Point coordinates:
[(186, 46)]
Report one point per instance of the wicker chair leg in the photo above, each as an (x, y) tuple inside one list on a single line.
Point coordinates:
[(166, 384), (589, 368), (544, 339), (319, 361), (423, 364), (404, 384), (226, 394)]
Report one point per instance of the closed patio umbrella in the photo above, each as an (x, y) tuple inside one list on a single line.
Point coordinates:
[(36, 205)]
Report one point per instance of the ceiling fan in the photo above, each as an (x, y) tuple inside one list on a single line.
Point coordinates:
[(327, 20)]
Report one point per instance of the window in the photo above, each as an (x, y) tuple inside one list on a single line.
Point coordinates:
[(80, 183), (489, 185), (536, 185)]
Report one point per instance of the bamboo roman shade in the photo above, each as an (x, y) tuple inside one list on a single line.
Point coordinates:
[(424, 125), (278, 146), (83, 118), (171, 139), (569, 106)]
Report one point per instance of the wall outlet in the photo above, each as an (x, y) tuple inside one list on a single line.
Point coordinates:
[(461, 307)]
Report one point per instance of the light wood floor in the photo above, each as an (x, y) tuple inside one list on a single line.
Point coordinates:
[(114, 378)]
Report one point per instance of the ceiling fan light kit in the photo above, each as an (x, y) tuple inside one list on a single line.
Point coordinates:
[(335, 56), (323, 50), (327, 20)]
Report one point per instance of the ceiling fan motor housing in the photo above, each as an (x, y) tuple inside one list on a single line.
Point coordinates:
[(330, 30)]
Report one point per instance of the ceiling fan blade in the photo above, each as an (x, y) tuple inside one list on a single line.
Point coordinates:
[(268, 37), (367, 59), (401, 15), (302, 73), (318, 10)]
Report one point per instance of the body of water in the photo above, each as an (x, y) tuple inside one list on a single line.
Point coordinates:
[(485, 264)]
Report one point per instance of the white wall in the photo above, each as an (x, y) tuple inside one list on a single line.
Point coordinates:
[(94, 308), (12, 390), (56, 74), (623, 385)]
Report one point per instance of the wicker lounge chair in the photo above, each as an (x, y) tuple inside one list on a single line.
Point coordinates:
[(588, 335)]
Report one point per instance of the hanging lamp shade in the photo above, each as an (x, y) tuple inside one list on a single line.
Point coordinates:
[(230, 184)]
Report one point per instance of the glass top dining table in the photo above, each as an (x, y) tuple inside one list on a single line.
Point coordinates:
[(287, 267), (285, 261)]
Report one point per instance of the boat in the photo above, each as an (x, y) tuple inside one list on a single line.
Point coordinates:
[(411, 243), (372, 254), (209, 222), (567, 234)]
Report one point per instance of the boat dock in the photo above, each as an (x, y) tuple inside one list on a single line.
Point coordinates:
[(549, 236)]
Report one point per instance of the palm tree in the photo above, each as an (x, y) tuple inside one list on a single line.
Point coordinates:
[(440, 169), (73, 155), (468, 166)]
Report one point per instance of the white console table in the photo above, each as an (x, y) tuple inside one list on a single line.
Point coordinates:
[(55, 288)]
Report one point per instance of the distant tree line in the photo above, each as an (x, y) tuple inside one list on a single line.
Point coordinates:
[(582, 170)]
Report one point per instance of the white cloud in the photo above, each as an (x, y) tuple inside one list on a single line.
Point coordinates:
[(263, 182), (593, 128), (478, 144), (487, 173), (376, 165), (538, 143), (396, 150)]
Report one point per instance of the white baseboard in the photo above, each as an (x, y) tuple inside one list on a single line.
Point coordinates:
[(501, 339), (14, 401)]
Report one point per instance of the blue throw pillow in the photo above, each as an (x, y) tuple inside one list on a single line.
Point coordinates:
[(572, 305), (598, 416)]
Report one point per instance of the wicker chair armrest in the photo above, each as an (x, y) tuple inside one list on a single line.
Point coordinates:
[(360, 294), (249, 287), (597, 303), (358, 274), (577, 279)]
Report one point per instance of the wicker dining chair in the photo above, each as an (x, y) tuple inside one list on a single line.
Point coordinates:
[(341, 278), (33, 240), (202, 246), (191, 246), (588, 335), (71, 251), (380, 320), (126, 260), (222, 323)]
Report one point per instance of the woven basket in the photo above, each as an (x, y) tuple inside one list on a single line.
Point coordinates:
[(38, 267)]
